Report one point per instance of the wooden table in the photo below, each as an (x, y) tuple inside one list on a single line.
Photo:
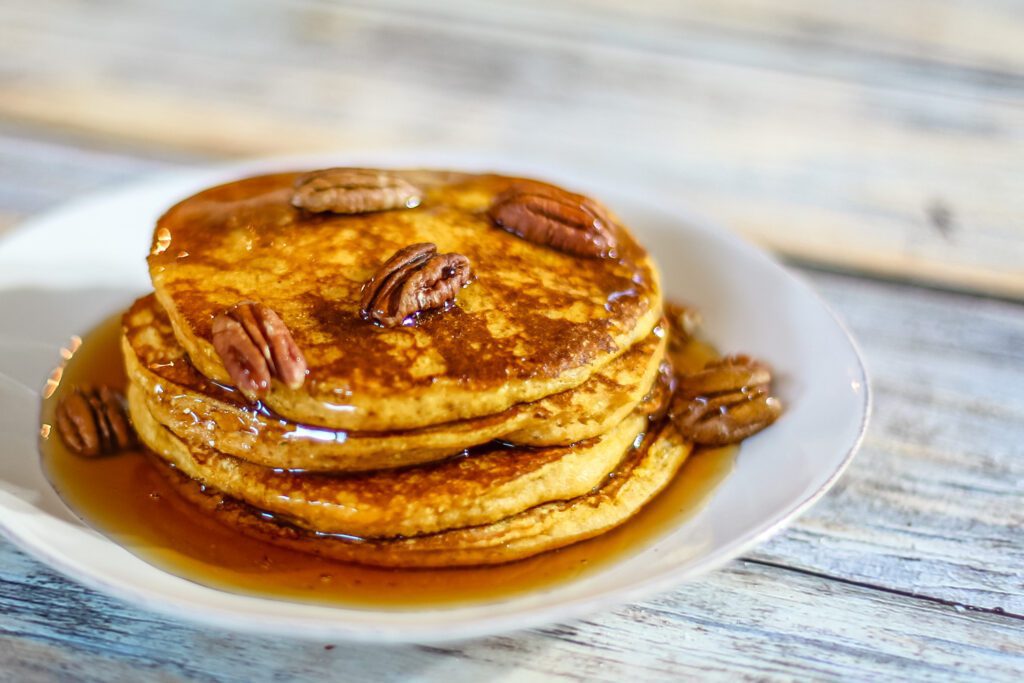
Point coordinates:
[(878, 145)]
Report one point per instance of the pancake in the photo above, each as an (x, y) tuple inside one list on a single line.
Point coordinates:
[(204, 414), (535, 322), (483, 487), (640, 477)]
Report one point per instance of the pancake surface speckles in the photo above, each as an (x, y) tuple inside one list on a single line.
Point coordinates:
[(535, 321)]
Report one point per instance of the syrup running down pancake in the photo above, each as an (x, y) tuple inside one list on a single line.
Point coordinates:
[(202, 413), (645, 471), (481, 487)]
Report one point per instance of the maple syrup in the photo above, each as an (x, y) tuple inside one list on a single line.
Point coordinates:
[(126, 498)]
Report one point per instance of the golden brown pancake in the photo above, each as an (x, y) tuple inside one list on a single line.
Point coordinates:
[(535, 322), (206, 415), (639, 478), (480, 488)]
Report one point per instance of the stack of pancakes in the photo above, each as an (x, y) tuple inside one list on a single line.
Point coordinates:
[(525, 416)]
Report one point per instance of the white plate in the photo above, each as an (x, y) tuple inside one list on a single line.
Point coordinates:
[(62, 273)]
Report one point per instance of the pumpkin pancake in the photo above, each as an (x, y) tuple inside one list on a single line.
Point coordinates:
[(204, 414), (534, 322), (481, 487), (644, 472)]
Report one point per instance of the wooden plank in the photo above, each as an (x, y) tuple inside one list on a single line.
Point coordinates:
[(865, 150), (747, 621), (24, 660), (38, 174), (980, 35), (932, 504)]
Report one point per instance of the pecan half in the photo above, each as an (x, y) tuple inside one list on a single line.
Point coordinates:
[(554, 217), (415, 279), (725, 402), (255, 345), (354, 190), (728, 374), (94, 422)]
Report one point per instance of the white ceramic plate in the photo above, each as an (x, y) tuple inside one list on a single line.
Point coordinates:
[(64, 272)]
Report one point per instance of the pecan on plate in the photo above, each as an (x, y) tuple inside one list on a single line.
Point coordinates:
[(354, 190), (255, 345), (725, 402), (93, 422), (554, 217), (415, 279)]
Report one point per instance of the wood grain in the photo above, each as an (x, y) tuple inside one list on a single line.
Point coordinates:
[(879, 137), (933, 503), (748, 622), (37, 174), (885, 138)]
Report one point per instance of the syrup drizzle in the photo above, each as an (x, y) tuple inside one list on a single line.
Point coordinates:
[(127, 499)]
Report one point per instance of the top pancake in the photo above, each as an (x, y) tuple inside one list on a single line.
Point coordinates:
[(534, 322)]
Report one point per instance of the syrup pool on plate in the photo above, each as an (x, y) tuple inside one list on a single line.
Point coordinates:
[(127, 499)]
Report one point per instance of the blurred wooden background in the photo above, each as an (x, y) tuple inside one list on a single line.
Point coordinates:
[(877, 136), (871, 142)]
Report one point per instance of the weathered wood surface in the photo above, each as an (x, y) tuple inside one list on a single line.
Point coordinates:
[(893, 129), (746, 621), (837, 125), (912, 567), (934, 504)]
